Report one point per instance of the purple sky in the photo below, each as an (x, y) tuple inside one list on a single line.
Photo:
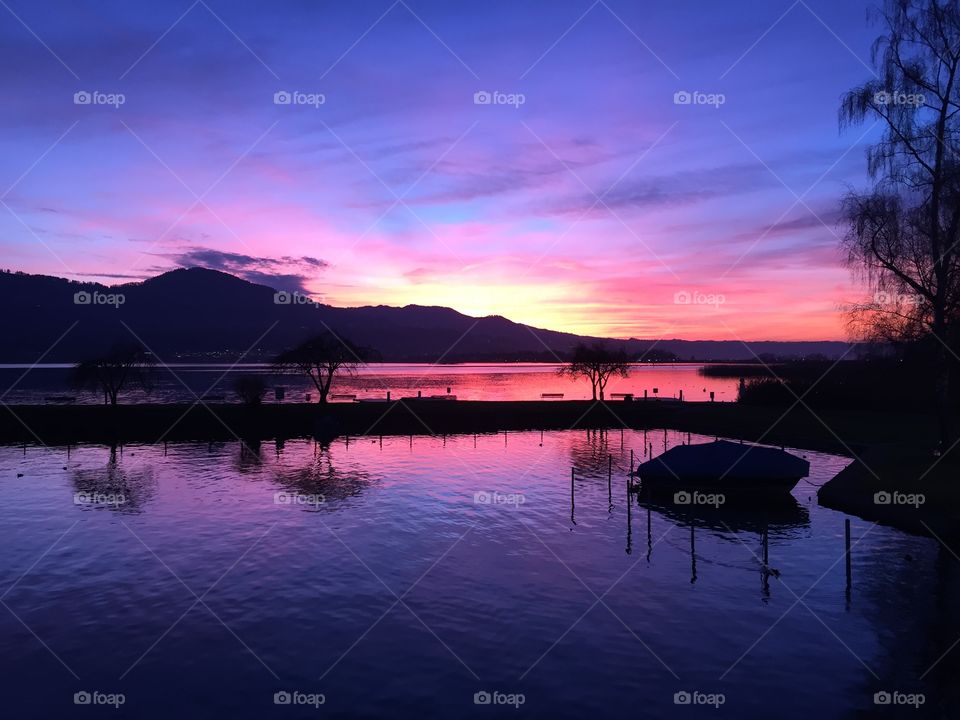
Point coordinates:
[(598, 205)]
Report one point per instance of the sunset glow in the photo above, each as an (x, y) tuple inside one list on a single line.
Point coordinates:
[(586, 208)]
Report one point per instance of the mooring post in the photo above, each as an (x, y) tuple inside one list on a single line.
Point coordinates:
[(846, 533), (766, 546), (388, 396), (631, 460)]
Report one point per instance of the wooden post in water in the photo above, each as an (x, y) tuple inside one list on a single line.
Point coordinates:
[(610, 479), (649, 536), (631, 461), (541, 438), (846, 533), (693, 556), (572, 504)]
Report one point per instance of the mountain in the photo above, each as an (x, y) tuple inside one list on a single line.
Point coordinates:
[(200, 314)]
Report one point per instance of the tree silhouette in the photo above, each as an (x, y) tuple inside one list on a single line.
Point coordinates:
[(597, 363), (251, 389), (122, 365), (902, 235), (321, 358)]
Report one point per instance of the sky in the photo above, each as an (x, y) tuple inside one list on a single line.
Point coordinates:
[(665, 169)]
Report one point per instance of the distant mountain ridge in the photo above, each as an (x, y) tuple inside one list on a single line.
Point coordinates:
[(200, 314)]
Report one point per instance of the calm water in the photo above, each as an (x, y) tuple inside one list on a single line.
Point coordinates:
[(514, 381), (376, 578)]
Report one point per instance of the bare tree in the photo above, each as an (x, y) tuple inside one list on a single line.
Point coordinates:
[(123, 365), (598, 364), (321, 358), (902, 235)]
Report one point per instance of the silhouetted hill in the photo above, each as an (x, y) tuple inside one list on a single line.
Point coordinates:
[(201, 314)]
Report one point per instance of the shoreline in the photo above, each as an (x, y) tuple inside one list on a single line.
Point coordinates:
[(835, 432), (894, 445)]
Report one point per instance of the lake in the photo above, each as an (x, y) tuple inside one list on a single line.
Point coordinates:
[(481, 381), (449, 577)]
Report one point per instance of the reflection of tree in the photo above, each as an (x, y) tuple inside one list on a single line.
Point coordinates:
[(102, 487), (320, 477), (589, 451), (248, 459)]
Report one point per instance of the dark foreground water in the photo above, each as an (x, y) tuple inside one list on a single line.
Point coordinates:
[(421, 577)]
